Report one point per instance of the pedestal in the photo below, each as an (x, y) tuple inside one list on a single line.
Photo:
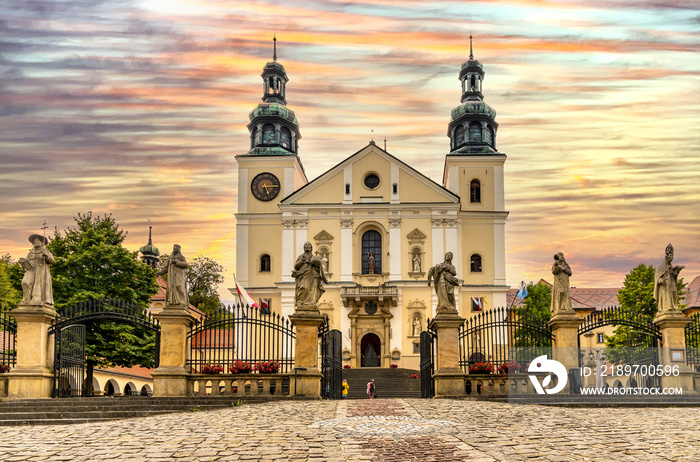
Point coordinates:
[(565, 346), (32, 376), (306, 322), (170, 378), (673, 350), (449, 377)]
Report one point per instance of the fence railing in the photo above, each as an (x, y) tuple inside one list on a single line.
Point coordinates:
[(239, 385), (499, 335), (692, 342), (240, 334), (8, 342)]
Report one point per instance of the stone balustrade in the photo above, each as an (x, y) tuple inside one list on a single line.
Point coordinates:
[(499, 385), (240, 385)]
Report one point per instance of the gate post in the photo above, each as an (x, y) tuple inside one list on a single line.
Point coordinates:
[(306, 323), (170, 378), (671, 326), (32, 377), (565, 346), (450, 379)]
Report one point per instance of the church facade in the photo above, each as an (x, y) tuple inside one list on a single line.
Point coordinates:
[(377, 223)]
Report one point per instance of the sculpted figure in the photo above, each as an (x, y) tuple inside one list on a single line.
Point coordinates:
[(308, 273), (416, 327), (445, 276), (176, 292), (370, 257), (416, 263), (666, 283), (36, 283), (561, 299)]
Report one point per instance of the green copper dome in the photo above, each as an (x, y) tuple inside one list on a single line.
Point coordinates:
[(472, 108), (273, 110)]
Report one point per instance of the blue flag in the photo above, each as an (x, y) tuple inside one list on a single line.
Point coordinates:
[(522, 293)]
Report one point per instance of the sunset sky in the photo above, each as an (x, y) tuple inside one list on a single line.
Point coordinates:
[(137, 108)]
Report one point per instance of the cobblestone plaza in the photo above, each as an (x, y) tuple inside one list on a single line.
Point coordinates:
[(377, 430)]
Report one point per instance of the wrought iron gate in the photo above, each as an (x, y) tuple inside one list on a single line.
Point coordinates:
[(427, 364), (69, 362), (331, 362)]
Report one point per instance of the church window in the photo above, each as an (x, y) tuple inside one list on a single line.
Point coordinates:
[(477, 303), (253, 137), (488, 135), (372, 252), (475, 191), (347, 188), (475, 133), (473, 84), (395, 187), (476, 263), (371, 181), (270, 85), (459, 136), (286, 138), (265, 263), (268, 134), (601, 338)]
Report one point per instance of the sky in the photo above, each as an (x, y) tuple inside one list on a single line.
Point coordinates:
[(138, 107)]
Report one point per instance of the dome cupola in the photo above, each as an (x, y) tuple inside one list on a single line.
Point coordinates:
[(149, 252)]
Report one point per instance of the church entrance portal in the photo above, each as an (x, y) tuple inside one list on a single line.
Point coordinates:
[(370, 348)]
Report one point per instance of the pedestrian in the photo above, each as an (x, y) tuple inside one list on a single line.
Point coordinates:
[(346, 387), (371, 391)]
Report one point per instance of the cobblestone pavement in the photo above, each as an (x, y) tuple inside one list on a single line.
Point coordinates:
[(378, 430)]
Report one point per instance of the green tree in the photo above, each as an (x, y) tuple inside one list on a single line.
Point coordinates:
[(91, 262), (203, 279), (10, 296), (535, 311), (636, 297)]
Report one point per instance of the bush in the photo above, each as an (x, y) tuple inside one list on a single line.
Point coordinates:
[(481, 368)]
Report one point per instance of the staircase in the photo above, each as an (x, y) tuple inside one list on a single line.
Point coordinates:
[(96, 409), (389, 383)]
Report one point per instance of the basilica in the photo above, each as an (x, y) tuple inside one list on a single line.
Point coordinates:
[(377, 224)]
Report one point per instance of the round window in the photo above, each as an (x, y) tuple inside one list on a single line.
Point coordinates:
[(371, 181)]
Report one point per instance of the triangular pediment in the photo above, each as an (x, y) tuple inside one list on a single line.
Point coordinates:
[(397, 182), (324, 237), (416, 236)]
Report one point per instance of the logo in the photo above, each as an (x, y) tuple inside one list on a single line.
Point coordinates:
[(548, 366)]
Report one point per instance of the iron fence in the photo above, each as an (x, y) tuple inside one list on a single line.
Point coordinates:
[(8, 342), (500, 335), (240, 334), (692, 342)]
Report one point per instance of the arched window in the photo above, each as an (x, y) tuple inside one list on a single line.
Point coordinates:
[(475, 191), (459, 136), (472, 87), (476, 263), (372, 252), (286, 138), (475, 133), (265, 263), (270, 85), (253, 136), (268, 134), (488, 135)]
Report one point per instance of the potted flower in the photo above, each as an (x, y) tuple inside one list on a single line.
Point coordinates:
[(394, 366), (509, 367), (4, 368), (414, 376), (267, 367), (347, 366), (481, 368), (212, 369), (240, 367)]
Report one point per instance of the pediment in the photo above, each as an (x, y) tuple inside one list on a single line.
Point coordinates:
[(416, 236)]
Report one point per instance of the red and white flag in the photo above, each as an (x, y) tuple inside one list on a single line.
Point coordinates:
[(264, 304), (244, 296)]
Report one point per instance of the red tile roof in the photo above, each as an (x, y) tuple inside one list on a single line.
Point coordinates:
[(582, 298), (692, 294)]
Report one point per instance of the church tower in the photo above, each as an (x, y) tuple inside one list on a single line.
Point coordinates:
[(474, 171), (268, 172)]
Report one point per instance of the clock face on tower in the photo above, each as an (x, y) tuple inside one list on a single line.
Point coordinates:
[(265, 186)]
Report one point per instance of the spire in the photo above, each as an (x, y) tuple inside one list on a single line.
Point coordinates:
[(471, 53), (274, 45), (150, 241), (149, 252)]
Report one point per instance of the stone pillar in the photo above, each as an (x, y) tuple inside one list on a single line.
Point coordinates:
[(673, 349), (449, 377), (170, 378), (308, 382), (565, 346), (32, 377)]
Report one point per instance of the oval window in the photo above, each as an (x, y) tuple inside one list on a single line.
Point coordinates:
[(371, 181)]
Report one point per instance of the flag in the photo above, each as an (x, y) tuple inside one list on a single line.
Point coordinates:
[(522, 292), (477, 303), (244, 296), (265, 305)]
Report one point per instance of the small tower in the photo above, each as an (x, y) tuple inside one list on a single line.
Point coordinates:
[(274, 129), (472, 128), (149, 252)]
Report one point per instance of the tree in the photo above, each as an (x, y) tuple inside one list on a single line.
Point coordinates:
[(636, 297), (10, 296), (534, 311), (203, 279), (92, 263)]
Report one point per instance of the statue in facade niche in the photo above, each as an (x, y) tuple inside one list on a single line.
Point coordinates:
[(666, 283), (445, 275), (36, 283), (561, 299), (370, 257), (309, 275), (416, 327), (176, 269), (416, 263)]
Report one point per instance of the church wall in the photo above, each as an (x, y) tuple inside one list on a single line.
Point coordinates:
[(422, 223), (371, 163), (331, 191), (264, 238), (478, 237), (412, 190)]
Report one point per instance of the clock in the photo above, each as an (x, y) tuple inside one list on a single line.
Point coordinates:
[(265, 186)]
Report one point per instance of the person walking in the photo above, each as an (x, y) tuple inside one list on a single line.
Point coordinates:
[(345, 390), (371, 390)]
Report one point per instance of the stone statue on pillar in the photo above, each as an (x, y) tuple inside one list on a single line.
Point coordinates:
[(445, 275), (176, 269), (561, 298), (36, 283), (309, 275), (666, 283)]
